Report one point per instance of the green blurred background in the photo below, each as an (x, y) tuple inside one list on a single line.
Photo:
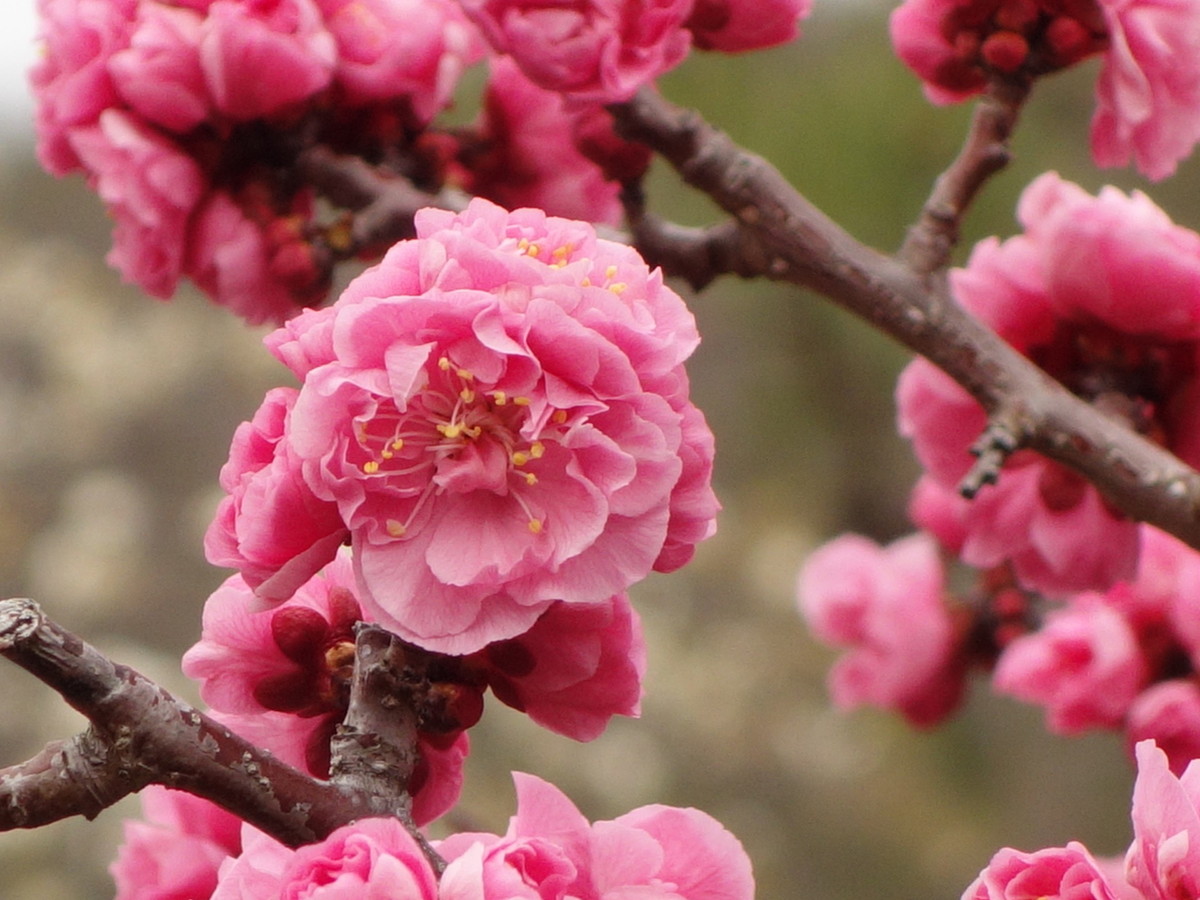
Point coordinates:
[(116, 413)]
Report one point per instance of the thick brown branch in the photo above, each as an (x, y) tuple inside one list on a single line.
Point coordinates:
[(140, 735), (802, 245)]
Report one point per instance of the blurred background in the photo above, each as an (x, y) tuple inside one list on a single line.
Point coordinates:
[(116, 413)]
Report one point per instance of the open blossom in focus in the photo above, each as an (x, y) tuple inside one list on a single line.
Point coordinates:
[(599, 52), (1148, 94), (737, 25), (1117, 320), (551, 850), (500, 413), (176, 852), (373, 858), (886, 606)]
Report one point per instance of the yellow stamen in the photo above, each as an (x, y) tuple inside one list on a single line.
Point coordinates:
[(370, 467), (453, 430), (559, 417), (521, 401), (519, 458), (618, 288), (587, 282), (535, 525), (398, 444), (444, 364), (530, 478), (396, 529), (467, 394), (465, 374), (562, 252), (534, 250), (536, 449), (610, 272), (499, 397)]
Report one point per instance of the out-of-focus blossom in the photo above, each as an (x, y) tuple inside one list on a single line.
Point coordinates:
[(1056, 873), (176, 852), (886, 606), (599, 52), (1164, 859), (734, 26), (1148, 94), (159, 74), (1087, 317), (1084, 665)]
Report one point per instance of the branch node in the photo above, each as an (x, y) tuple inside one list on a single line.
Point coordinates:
[(993, 448)]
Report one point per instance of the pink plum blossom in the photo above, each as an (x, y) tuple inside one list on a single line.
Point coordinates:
[(734, 26), (159, 74), (1169, 714), (271, 525), (71, 80), (886, 606), (551, 851), (1164, 859), (176, 852), (151, 190), (388, 49), (595, 51), (1148, 94), (373, 858), (499, 411), (260, 59), (577, 667), (1088, 318), (1057, 873), (531, 158), (1084, 665)]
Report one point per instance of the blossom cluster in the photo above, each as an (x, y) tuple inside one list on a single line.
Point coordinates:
[(1148, 92), (191, 850), (1075, 608), (1162, 862), (191, 118)]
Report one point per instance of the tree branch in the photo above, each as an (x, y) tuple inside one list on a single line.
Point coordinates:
[(800, 244), (141, 735)]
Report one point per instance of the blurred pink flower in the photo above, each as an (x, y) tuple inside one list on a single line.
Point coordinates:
[(150, 187), (1148, 95), (1056, 873), (1084, 665), (886, 606), (261, 58), (530, 156), (595, 51), (176, 852), (159, 74), (1088, 318), (270, 525), (500, 413), (734, 26), (1168, 713), (1164, 859), (389, 49), (373, 858), (71, 81), (551, 851)]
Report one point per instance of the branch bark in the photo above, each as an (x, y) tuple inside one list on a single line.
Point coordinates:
[(142, 735), (786, 238)]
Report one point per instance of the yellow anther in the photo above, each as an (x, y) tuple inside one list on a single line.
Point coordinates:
[(371, 467), (453, 430), (534, 250), (499, 397), (610, 272), (530, 478), (520, 458), (521, 401), (387, 454), (398, 444), (467, 394), (618, 287), (474, 432), (537, 449), (559, 417), (465, 374), (535, 525), (562, 252), (523, 244), (396, 529), (444, 364), (587, 282)]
